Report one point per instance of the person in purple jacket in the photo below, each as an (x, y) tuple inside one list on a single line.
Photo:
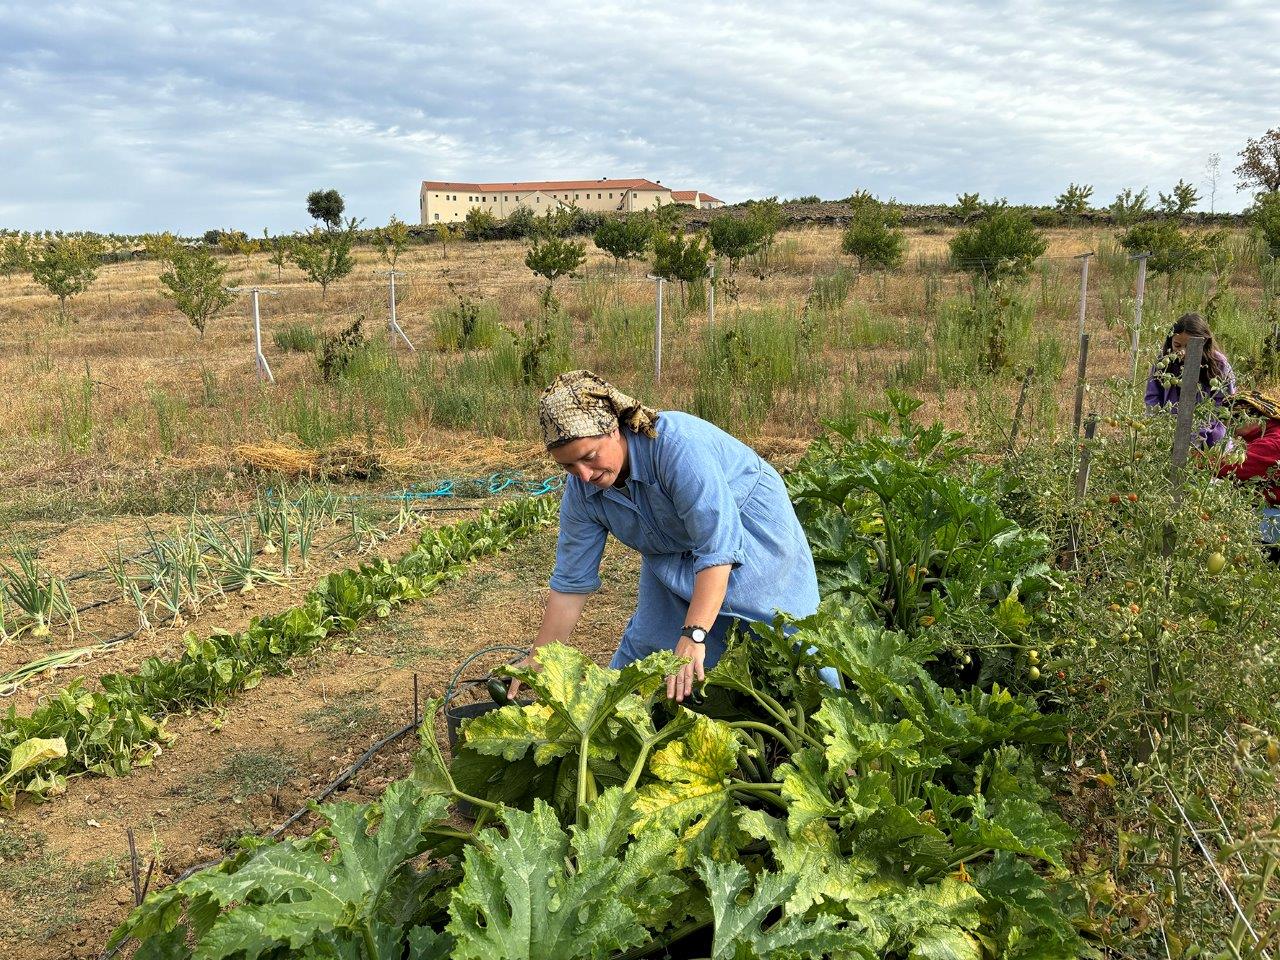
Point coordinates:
[(1217, 379)]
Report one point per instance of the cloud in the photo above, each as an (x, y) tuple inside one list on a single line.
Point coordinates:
[(132, 116)]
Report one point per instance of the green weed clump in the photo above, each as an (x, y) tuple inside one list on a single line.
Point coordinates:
[(296, 338)]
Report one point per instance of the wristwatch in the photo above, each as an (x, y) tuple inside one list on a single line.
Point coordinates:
[(696, 634)]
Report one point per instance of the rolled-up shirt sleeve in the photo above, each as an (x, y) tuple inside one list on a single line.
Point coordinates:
[(700, 492), (579, 547)]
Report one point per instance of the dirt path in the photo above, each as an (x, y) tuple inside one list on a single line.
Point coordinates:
[(64, 870)]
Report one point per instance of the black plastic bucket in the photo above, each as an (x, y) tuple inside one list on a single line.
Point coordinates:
[(455, 713)]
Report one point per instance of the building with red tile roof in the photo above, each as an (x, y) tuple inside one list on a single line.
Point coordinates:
[(445, 201)]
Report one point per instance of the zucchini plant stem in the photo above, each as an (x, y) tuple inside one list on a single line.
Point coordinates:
[(765, 728), (582, 777)]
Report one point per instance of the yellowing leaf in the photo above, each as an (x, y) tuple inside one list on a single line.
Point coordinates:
[(693, 795), (33, 752)]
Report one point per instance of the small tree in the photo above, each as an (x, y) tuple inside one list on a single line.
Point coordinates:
[(1129, 207), (1074, 200), (325, 255), (734, 238), (968, 206), (15, 252), (1180, 200), (1212, 173), (446, 236), (195, 283), (326, 206), (160, 246), (552, 257), (1002, 246), (681, 259), (66, 266), (278, 249), (392, 240), (1265, 218), (624, 238), (1260, 163), (234, 242), (874, 238)]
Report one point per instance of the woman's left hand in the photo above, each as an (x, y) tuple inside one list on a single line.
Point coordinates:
[(680, 684)]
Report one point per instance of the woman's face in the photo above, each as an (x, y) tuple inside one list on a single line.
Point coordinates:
[(594, 460), (1180, 343)]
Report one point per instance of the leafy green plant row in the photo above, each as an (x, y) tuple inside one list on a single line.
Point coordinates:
[(900, 814), (108, 731)]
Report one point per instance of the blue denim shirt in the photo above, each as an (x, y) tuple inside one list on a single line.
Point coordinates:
[(696, 498)]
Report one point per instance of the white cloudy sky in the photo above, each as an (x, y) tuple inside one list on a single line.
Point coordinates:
[(134, 116)]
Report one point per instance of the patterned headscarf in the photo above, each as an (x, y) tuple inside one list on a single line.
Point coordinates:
[(579, 404)]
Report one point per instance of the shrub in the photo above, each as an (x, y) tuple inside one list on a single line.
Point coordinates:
[(339, 350), (1172, 251), (874, 238), (296, 338), (1265, 219), (467, 325), (1003, 245), (520, 223), (480, 224)]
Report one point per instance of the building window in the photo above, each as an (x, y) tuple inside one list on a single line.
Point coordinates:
[(505, 198), (537, 199), (437, 216), (611, 196)]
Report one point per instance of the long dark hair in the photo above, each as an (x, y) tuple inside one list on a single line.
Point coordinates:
[(1193, 325)]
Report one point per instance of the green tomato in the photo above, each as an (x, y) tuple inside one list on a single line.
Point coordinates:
[(1034, 673), (1215, 564)]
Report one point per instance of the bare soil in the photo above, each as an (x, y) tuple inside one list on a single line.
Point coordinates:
[(244, 770)]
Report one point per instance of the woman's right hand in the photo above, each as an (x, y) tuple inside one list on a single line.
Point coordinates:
[(526, 663)]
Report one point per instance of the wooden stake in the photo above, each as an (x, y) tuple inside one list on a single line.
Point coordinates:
[(1017, 413), (1139, 293), (1081, 366), (1084, 286), (134, 872)]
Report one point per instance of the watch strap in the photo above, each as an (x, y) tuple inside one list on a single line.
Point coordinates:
[(688, 631)]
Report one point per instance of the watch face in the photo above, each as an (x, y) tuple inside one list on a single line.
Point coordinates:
[(699, 635)]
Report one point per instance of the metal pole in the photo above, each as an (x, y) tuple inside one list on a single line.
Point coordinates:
[(264, 368), (393, 325), (657, 332), (711, 299), (1137, 314), (1084, 288)]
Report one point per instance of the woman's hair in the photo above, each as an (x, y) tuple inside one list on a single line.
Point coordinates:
[(1193, 325)]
